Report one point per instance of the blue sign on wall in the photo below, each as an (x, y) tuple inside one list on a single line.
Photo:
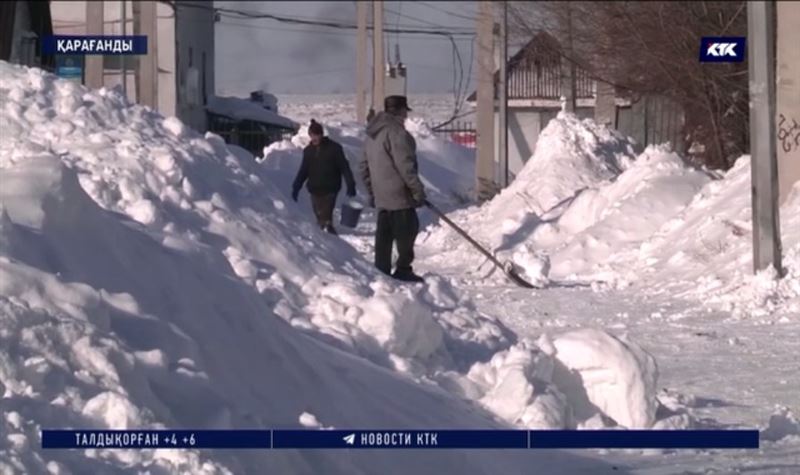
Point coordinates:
[(70, 67)]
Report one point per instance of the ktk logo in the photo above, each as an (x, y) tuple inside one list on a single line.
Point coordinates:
[(721, 49), (729, 49)]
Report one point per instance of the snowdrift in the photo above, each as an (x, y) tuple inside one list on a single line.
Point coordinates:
[(153, 277), (710, 243), (584, 209), (104, 326)]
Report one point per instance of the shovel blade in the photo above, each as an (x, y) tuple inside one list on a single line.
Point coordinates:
[(514, 277)]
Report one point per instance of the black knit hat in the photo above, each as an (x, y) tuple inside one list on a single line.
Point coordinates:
[(315, 128), (395, 104)]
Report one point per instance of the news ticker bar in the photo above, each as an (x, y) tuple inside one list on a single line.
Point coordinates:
[(94, 44), (395, 439)]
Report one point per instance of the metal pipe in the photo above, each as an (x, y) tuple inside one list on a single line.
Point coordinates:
[(122, 57)]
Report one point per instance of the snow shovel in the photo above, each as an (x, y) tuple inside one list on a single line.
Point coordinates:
[(508, 267)]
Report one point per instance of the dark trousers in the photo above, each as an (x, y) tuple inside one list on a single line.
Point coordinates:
[(399, 228), (323, 209)]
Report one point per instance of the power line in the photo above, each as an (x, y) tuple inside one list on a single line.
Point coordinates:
[(442, 10), (242, 14), (347, 33), (426, 22)]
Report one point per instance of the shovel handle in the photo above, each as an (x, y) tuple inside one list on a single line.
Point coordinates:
[(508, 271), (463, 233)]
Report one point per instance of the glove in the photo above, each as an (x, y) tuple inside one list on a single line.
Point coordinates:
[(351, 192), (294, 195)]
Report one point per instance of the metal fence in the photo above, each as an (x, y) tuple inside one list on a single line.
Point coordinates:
[(249, 135), (462, 133)]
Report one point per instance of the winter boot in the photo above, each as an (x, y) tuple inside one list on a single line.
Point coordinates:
[(407, 276)]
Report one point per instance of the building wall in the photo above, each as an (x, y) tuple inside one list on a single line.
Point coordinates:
[(194, 31), (22, 25), (788, 98), (69, 18), (525, 124), (167, 74), (180, 86)]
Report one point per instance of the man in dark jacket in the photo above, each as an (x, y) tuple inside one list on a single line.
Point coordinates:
[(324, 165), (390, 172)]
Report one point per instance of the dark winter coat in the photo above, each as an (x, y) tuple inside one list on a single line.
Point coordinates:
[(323, 167), (389, 166)]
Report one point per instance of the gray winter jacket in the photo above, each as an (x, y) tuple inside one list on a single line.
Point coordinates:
[(389, 167)]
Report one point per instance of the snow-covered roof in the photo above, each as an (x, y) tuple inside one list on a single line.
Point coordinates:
[(245, 109)]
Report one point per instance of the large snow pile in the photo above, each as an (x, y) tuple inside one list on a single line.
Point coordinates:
[(580, 199), (447, 169), (582, 209), (582, 378), (706, 250), (570, 155), (617, 216), (146, 277)]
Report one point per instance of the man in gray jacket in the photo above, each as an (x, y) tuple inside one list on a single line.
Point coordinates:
[(390, 173)]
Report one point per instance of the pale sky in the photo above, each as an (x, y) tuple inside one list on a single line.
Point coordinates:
[(296, 59)]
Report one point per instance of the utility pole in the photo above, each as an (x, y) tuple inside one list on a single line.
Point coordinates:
[(122, 57), (147, 71), (787, 97), (94, 63), (361, 61), (484, 164), (503, 95), (378, 62), (568, 66), (763, 162)]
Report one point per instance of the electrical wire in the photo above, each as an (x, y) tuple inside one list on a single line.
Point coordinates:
[(242, 14), (426, 22), (442, 10)]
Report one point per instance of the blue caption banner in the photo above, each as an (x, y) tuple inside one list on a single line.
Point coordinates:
[(644, 439), (401, 439), (722, 49), (157, 439), (94, 45)]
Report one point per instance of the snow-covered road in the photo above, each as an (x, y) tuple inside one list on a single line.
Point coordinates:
[(721, 371)]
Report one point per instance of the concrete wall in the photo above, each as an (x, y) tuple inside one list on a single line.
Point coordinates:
[(69, 18), (167, 74), (194, 31), (180, 86), (787, 97), (22, 49)]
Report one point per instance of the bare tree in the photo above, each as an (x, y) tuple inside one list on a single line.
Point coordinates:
[(653, 48)]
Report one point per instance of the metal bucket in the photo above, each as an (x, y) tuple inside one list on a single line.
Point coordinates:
[(351, 213)]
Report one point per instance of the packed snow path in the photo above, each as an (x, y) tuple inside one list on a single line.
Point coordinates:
[(723, 372)]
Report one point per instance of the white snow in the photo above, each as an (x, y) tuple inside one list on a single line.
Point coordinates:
[(610, 374), (146, 277), (154, 277)]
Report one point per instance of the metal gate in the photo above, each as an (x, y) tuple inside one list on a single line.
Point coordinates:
[(652, 120)]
